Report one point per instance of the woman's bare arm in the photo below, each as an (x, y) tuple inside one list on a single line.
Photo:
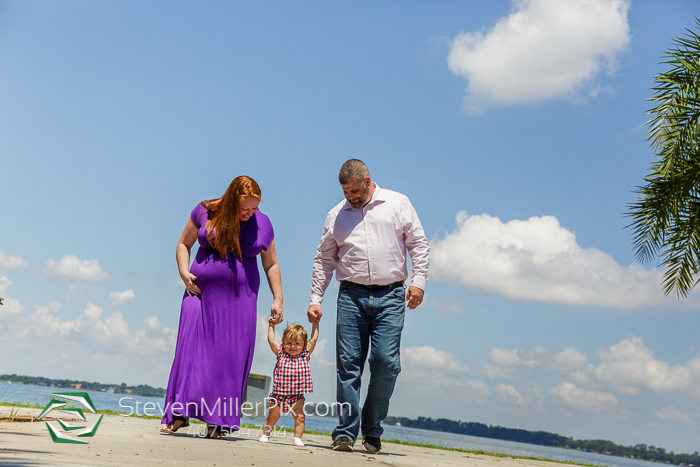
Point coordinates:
[(182, 254), (274, 279)]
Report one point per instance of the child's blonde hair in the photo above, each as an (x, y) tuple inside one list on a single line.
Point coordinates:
[(295, 331)]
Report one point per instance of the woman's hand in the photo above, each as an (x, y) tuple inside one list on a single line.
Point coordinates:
[(276, 313), (188, 278), (182, 254), (274, 279)]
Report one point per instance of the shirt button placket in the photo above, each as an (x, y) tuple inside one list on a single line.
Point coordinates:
[(370, 274)]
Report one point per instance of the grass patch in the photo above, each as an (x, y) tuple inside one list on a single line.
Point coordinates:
[(29, 405), (26, 405), (443, 448), (486, 453), (126, 414)]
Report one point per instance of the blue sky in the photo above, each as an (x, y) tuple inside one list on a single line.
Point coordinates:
[(517, 132)]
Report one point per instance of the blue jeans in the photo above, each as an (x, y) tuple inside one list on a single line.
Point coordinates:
[(367, 321)]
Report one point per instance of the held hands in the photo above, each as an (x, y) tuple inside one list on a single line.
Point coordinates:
[(274, 346), (314, 314), (189, 278), (276, 313), (414, 297)]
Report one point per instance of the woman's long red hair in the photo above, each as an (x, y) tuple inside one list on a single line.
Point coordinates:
[(224, 226)]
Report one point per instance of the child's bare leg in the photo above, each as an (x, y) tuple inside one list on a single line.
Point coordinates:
[(299, 418), (272, 419)]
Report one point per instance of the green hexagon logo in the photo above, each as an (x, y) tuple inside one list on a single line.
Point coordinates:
[(59, 401)]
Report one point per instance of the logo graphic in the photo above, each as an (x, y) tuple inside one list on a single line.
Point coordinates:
[(55, 403)]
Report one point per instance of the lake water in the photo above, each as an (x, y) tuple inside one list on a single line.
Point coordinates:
[(39, 395)]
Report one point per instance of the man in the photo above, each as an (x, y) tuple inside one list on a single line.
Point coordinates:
[(364, 241)]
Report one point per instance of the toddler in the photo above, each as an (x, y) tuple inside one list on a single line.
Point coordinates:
[(291, 378)]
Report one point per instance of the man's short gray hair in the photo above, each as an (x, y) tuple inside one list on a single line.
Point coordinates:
[(351, 169)]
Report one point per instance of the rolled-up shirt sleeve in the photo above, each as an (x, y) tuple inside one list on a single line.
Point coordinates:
[(417, 246), (324, 263)]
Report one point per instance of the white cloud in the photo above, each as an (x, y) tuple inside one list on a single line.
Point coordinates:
[(319, 360), (479, 386), (151, 322), (497, 372), (11, 261), (10, 307), (437, 368), (585, 399), (504, 362), (583, 377), (539, 260), (429, 377), (83, 290), (447, 307), (569, 359), (438, 372), (509, 394), (102, 333), (672, 414), (426, 359), (630, 365), (97, 345), (72, 268), (4, 284), (261, 345), (117, 299), (543, 49), (506, 357), (625, 368)]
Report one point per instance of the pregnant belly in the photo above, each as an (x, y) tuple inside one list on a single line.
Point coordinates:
[(227, 276)]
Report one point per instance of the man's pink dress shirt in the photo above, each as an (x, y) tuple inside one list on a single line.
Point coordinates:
[(368, 245)]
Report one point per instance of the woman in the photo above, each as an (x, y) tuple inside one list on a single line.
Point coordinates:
[(216, 335)]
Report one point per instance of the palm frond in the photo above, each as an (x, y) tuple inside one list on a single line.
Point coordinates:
[(665, 221)]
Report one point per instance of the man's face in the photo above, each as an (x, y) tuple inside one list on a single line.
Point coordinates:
[(356, 192)]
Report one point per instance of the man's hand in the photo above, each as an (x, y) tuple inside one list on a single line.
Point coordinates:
[(314, 314), (414, 297)]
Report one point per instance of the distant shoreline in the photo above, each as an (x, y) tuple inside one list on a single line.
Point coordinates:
[(138, 390), (543, 438)]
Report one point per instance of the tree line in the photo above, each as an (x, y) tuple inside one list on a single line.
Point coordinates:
[(543, 438), (123, 388)]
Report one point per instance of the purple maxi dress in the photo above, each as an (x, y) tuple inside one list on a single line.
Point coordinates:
[(216, 335)]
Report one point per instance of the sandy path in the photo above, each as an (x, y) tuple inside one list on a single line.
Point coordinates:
[(138, 442)]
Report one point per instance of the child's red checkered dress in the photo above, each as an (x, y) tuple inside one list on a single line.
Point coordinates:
[(292, 373)]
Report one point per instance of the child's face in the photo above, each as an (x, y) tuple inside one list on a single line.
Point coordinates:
[(293, 346)]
